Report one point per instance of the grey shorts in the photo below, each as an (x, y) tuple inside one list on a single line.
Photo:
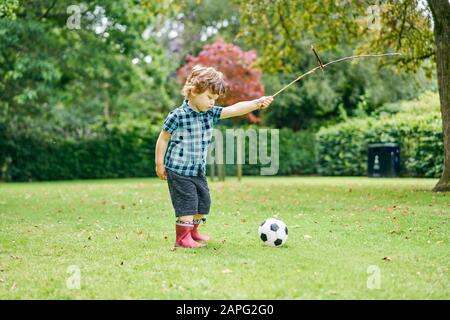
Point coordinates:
[(190, 195)]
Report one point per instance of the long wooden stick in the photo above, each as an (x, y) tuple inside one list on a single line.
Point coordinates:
[(331, 62)]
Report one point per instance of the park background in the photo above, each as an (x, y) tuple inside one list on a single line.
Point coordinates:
[(85, 87)]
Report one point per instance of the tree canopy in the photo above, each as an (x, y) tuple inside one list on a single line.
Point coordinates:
[(68, 68)]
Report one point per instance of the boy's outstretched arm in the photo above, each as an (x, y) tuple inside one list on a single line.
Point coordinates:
[(160, 152), (245, 107)]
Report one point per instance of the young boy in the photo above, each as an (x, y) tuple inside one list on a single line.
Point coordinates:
[(186, 135)]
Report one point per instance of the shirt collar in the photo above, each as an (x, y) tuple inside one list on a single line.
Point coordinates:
[(189, 109)]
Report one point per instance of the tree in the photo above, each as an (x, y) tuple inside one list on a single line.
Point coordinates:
[(441, 15), (65, 66), (243, 81), (421, 33), (345, 89), (8, 8), (199, 23)]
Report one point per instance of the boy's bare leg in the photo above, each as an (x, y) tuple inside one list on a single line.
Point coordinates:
[(198, 216), (186, 218)]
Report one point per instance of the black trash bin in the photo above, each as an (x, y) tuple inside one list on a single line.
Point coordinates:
[(383, 160)]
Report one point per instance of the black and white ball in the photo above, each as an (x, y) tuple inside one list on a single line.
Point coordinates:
[(273, 232)]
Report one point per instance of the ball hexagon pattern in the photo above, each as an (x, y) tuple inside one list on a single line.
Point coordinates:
[(273, 232)]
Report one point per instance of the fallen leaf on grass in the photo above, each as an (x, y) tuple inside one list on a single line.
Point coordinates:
[(332, 292)]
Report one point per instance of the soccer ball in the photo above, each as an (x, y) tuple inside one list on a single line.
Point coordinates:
[(273, 232)]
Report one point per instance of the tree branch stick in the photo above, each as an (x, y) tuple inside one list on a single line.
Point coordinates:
[(331, 62)]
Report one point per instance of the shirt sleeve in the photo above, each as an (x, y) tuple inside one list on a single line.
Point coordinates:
[(216, 112), (171, 122)]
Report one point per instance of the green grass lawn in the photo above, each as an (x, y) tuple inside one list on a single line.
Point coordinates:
[(119, 235)]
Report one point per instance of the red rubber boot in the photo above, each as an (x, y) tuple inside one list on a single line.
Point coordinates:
[(184, 238), (197, 236)]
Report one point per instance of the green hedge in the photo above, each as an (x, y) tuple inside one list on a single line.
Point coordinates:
[(127, 150), (108, 152), (116, 151), (296, 154), (342, 149)]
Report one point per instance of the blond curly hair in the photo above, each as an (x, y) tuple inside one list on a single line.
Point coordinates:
[(203, 78)]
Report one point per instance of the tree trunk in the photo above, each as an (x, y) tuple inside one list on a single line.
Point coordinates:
[(220, 167), (239, 157), (212, 170), (441, 16)]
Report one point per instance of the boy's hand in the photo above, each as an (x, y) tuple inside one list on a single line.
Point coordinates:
[(264, 102), (161, 171)]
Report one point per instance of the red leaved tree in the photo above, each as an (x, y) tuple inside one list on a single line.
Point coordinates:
[(243, 81)]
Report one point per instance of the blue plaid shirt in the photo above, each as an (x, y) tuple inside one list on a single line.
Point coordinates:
[(191, 135)]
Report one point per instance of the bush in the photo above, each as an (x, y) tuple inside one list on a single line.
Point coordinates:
[(118, 151), (342, 149), (109, 152), (127, 149), (296, 153)]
